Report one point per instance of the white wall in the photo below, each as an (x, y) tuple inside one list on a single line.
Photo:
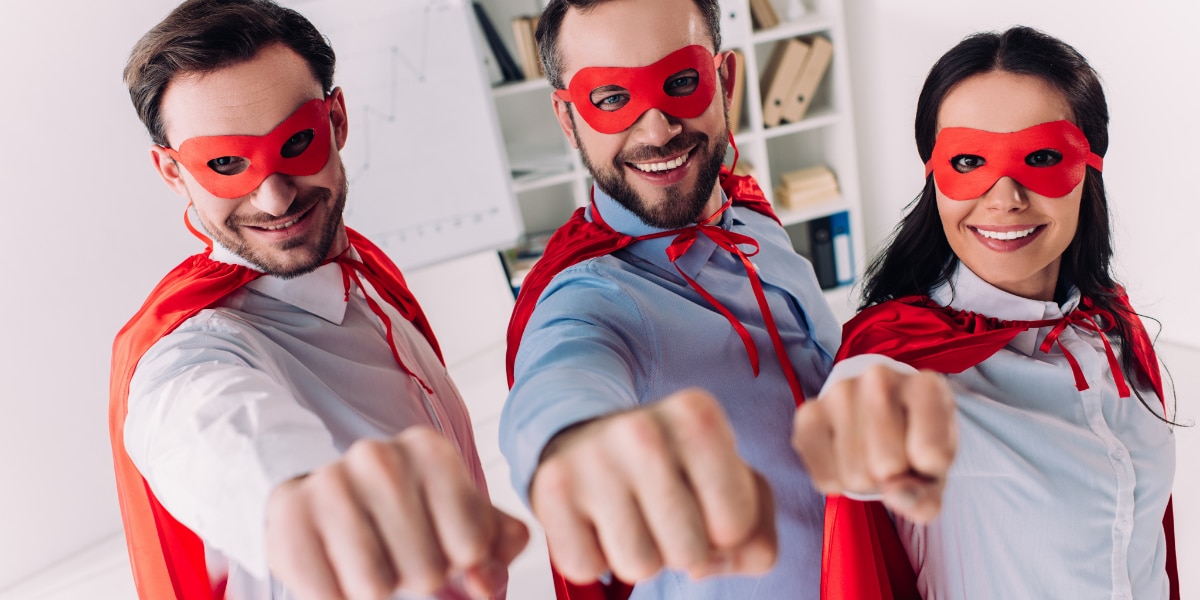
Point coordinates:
[(88, 228)]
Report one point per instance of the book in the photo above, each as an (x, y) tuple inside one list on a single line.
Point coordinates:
[(522, 28), (787, 58), (762, 12), (739, 92), (806, 187), (799, 95), (843, 256), (820, 233), (508, 67)]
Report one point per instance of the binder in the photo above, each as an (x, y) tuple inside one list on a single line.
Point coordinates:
[(804, 85), (763, 14), (820, 234), (787, 58), (526, 47), (843, 255), (508, 67)]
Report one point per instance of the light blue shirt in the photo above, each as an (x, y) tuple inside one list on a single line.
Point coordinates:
[(622, 330), (1054, 492)]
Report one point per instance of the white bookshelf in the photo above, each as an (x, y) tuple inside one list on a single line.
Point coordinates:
[(547, 196)]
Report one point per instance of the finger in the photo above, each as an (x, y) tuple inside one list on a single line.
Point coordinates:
[(846, 415), (348, 535), (387, 480), (491, 575), (461, 515), (624, 536), (757, 553), (812, 437), (884, 421), (295, 553), (933, 427), (722, 484), (644, 451), (916, 498), (570, 537)]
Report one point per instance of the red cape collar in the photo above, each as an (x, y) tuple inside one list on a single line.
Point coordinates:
[(167, 558), (863, 558)]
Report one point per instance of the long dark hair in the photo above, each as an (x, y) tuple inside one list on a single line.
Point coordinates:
[(918, 257)]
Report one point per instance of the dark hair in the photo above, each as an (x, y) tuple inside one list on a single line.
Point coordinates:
[(918, 257), (551, 20), (201, 36)]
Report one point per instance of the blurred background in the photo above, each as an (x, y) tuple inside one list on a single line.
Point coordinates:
[(88, 228)]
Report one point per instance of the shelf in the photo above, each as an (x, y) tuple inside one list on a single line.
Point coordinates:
[(816, 211), (808, 25), (536, 182), (520, 87), (818, 119)]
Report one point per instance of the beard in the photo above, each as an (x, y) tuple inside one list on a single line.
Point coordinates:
[(681, 207), (298, 255)]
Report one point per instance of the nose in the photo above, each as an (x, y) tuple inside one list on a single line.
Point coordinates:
[(1006, 195), (655, 128), (275, 195)]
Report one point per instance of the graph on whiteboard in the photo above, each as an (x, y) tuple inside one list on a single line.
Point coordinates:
[(424, 158)]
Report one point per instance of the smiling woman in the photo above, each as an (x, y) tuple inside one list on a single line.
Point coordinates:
[(1000, 278)]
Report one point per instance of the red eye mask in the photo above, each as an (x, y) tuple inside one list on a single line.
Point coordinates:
[(1010, 154), (645, 88), (231, 166)]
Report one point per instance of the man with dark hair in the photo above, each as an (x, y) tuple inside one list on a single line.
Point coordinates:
[(661, 352), (282, 422)]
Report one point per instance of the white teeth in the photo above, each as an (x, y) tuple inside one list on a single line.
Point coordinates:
[(660, 166), (284, 226), (1006, 235)]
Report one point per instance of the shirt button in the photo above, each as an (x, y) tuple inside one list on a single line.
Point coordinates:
[(1118, 454), (1124, 526)]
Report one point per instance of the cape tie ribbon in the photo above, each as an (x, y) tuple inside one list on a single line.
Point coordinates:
[(351, 269), (1085, 317), (731, 242)]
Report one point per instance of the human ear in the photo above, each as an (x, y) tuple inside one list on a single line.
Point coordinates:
[(562, 111), (169, 170), (338, 117), (728, 74)]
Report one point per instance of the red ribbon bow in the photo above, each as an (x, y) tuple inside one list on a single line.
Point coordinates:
[(731, 242)]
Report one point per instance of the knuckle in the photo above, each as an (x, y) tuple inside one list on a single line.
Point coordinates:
[(640, 432), (553, 484)]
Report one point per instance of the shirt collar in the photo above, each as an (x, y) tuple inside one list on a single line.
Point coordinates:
[(968, 291), (622, 220), (320, 292)]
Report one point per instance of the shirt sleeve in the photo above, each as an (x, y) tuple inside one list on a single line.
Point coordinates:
[(213, 432), (849, 368), (581, 357)]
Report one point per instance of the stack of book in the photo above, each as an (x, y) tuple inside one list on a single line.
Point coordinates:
[(806, 187), (794, 71)]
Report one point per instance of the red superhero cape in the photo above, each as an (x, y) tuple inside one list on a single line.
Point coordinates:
[(863, 558), (167, 558), (575, 242)]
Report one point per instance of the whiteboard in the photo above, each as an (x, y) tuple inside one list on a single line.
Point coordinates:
[(425, 160)]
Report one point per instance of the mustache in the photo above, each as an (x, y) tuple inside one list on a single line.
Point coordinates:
[(679, 143), (299, 206)]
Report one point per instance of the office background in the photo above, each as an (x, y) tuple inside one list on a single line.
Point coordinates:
[(88, 228)]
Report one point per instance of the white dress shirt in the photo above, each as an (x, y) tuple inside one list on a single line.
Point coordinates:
[(275, 380), (1054, 492)]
